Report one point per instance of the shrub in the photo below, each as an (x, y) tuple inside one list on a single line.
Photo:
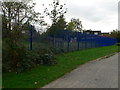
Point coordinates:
[(17, 58), (48, 59), (57, 50), (34, 58), (13, 52), (44, 56), (27, 62)]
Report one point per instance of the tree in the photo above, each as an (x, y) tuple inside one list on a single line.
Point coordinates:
[(56, 12), (116, 34), (56, 15), (16, 14), (61, 24), (77, 24), (70, 26)]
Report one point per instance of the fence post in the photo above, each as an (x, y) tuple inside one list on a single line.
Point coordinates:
[(31, 37), (85, 40), (78, 41), (68, 44), (91, 41), (53, 41), (62, 43), (78, 45)]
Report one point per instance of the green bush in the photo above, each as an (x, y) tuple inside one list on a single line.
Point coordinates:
[(13, 52), (44, 55), (57, 50), (27, 62), (34, 58), (17, 58), (48, 59)]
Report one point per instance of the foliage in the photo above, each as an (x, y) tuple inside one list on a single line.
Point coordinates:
[(116, 34), (35, 58), (44, 54), (60, 25), (18, 16), (70, 26), (56, 15), (17, 13), (75, 25), (58, 50), (13, 53), (21, 59), (57, 11)]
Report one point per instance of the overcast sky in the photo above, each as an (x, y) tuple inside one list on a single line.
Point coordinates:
[(94, 14)]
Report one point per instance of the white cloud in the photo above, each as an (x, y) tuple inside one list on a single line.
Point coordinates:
[(94, 14)]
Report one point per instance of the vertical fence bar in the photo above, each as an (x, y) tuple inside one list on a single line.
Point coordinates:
[(31, 37), (53, 41), (78, 43), (85, 40), (68, 44), (91, 41)]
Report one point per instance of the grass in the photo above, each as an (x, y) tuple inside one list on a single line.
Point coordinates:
[(45, 74)]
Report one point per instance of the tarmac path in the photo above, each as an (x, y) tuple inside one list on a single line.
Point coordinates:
[(94, 74)]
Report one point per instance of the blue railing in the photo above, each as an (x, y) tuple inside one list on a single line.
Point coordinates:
[(70, 41)]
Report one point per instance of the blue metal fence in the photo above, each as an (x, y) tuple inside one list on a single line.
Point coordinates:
[(70, 41)]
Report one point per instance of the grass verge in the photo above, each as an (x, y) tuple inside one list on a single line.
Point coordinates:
[(40, 76)]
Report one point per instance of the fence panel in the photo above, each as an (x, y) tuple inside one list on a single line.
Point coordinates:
[(77, 41), (68, 40)]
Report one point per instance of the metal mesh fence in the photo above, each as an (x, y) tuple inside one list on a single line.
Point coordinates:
[(67, 40)]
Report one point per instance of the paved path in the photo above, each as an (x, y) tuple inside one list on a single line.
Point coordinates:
[(95, 74)]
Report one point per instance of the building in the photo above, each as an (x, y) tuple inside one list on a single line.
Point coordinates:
[(93, 32), (106, 34)]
